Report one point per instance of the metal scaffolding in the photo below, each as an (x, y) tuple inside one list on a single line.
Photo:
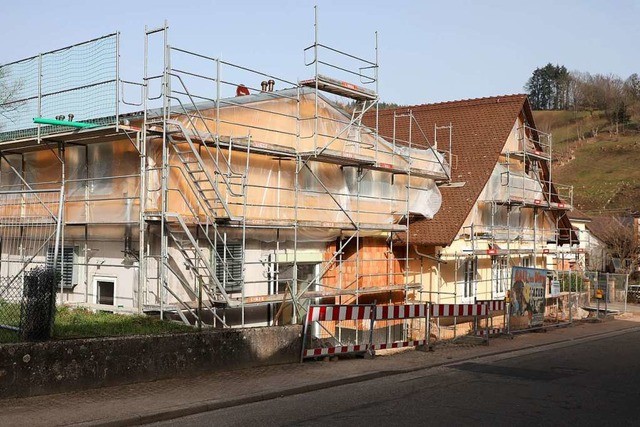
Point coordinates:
[(207, 143), (220, 202)]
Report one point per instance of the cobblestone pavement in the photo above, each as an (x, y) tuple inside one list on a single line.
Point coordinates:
[(159, 400)]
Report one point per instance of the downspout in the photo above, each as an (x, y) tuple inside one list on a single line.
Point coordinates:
[(433, 258)]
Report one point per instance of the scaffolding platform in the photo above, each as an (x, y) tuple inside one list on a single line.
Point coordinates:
[(268, 299), (529, 154), (341, 88), (107, 133), (339, 158)]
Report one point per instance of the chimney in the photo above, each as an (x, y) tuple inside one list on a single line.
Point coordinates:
[(242, 90), (263, 86), (271, 83)]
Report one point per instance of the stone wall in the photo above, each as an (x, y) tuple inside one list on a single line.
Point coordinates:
[(29, 369)]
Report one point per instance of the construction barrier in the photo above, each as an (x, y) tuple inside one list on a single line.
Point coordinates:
[(493, 306), (327, 320), (320, 316), (458, 310), (400, 312)]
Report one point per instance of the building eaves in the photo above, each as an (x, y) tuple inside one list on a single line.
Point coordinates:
[(480, 128)]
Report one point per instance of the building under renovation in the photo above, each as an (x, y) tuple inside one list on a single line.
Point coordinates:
[(501, 209), (223, 201)]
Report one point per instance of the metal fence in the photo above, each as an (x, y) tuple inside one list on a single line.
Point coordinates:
[(340, 329), (27, 306), (78, 82), (611, 287)]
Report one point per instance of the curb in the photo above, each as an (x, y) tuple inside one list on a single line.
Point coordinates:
[(186, 410)]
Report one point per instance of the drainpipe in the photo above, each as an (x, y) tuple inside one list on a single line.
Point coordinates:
[(431, 257)]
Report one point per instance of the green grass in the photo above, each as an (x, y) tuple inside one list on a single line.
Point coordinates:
[(81, 323), (601, 169), (604, 173), (567, 127)]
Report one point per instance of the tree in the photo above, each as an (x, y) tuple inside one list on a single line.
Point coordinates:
[(632, 93), (620, 236), (9, 91), (549, 88), (605, 92)]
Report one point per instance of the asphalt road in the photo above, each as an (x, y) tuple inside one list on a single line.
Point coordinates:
[(592, 383)]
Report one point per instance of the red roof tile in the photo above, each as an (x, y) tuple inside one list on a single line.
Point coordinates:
[(480, 131), (579, 215)]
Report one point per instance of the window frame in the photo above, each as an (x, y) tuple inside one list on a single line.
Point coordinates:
[(468, 283), (499, 275)]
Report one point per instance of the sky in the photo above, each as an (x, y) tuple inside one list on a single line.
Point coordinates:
[(428, 51)]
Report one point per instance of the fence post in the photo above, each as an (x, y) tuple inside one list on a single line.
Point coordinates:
[(507, 315), (626, 291), (428, 328), (607, 296), (489, 316), (304, 332), (370, 351)]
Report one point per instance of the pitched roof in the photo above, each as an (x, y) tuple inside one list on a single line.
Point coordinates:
[(604, 227), (480, 128), (578, 215)]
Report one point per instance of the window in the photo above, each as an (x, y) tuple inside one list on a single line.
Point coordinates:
[(66, 265), (469, 273), (283, 277), (526, 261), (228, 264), (105, 292), (500, 275)]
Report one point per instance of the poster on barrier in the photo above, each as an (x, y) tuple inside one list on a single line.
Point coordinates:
[(527, 297)]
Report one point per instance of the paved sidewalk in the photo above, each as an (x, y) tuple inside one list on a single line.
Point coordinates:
[(160, 400)]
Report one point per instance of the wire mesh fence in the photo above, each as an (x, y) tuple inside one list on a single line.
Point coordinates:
[(75, 83), (616, 288), (27, 306), (608, 289), (28, 225)]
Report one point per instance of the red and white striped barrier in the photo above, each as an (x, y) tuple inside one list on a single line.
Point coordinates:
[(339, 312), (328, 351), (495, 305), (392, 312), (398, 344), (490, 331), (320, 313), (454, 310)]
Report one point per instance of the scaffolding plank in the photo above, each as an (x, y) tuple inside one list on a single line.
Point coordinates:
[(339, 157), (341, 88), (242, 144), (421, 173), (289, 223), (77, 136), (264, 299), (536, 154)]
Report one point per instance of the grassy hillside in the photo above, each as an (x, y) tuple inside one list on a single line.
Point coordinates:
[(602, 166)]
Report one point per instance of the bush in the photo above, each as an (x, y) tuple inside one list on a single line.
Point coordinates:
[(571, 281)]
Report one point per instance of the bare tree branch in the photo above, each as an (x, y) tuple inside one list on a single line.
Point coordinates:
[(9, 91), (619, 236)]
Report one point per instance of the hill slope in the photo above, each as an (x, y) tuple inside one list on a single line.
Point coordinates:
[(603, 167)]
